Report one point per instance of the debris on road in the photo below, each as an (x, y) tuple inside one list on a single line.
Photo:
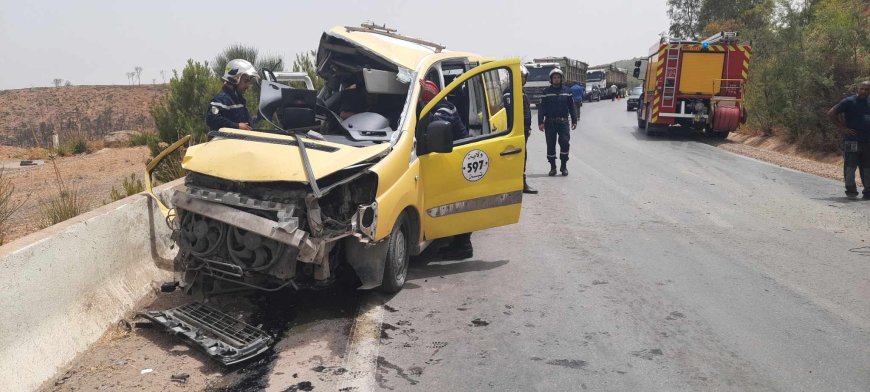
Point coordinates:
[(479, 323), (146, 371), (218, 334), (180, 378)]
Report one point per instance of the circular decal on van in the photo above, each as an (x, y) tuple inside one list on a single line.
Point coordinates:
[(475, 165)]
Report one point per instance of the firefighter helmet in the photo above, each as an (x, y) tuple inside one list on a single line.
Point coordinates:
[(557, 71), (236, 68), (524, 71)]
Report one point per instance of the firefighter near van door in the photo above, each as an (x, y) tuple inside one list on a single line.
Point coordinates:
[(554, 112), (508, 102)]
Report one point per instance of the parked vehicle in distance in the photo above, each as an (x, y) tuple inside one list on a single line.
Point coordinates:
[(633, 99), (539, 75), (603, 78), (694, 84)]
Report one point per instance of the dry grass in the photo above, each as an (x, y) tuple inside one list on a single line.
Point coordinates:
[(65, 205), (8, 207)]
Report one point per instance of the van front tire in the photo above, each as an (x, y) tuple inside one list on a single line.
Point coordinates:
[(396, 266)]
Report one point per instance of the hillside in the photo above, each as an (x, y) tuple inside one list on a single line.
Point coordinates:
[(78, 112)]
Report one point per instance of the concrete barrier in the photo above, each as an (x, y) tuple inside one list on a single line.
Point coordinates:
[(63, 287)]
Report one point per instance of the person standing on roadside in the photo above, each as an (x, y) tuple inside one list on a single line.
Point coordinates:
[(228, 109), (852, 118), (577, 92), (557, 104), (508, 102)]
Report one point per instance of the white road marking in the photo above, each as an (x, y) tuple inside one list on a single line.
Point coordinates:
[(361, 359)]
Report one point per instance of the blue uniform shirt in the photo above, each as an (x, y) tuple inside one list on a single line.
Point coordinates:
[(857, 114), (577, 91), (556, 102), (227, 110)]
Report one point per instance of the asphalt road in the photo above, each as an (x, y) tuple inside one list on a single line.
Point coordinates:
[(658, 264)]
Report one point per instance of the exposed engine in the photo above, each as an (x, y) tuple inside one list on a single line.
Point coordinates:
[(268, 235)]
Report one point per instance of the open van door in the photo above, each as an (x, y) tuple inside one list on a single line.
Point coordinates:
[(474, 183)]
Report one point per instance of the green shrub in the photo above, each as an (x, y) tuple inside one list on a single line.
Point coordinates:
[(130, 186), (143, 139)]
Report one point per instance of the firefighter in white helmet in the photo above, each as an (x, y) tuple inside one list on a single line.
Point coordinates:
[(228, 109), (554, 112)]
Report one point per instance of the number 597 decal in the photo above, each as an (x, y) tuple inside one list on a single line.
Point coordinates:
[(475, 165)]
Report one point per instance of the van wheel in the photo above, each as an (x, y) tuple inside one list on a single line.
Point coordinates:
[(396, 266)]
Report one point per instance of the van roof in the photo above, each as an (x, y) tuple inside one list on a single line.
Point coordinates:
[(401, 50)]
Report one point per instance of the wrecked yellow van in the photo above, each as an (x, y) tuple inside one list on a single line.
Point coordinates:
[(355, 177)]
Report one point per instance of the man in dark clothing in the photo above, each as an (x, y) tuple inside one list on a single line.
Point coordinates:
[(557, 104), (228, 109), (507, 101), (460, 247), (855, 110)]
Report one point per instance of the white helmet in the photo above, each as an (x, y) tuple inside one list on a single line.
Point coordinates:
[(556, 71), (524, 71), (236, 68)]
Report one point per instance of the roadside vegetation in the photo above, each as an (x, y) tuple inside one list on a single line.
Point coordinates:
[(183, 110), (807, 55), (8, 207), (130, 187)]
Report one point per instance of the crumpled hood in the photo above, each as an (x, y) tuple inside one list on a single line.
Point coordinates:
[(258, 157)]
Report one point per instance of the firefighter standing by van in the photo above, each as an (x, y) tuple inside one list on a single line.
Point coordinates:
[(508, 102), (228, 109), (557, 104)]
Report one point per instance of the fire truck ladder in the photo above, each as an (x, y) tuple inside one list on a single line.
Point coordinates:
[(672, 63)]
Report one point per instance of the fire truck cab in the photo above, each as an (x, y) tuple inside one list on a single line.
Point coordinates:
[(694, 84)]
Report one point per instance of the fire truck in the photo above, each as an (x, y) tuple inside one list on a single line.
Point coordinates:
[(694, 84)]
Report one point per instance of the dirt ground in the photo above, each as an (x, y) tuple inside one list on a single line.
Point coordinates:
[(778, 152), (91, 175)]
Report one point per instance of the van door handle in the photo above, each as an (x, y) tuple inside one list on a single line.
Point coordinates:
[(511, 152)]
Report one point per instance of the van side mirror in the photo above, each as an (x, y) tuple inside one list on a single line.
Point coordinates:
[(637, 64), (636, 72), (434, 136)]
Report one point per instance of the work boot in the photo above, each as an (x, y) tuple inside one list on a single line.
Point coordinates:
[(528, 189), (457, 250), (564, 168), (552, 169), (851, 193)]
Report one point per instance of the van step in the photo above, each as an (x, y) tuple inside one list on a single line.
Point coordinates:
[(218, 334)]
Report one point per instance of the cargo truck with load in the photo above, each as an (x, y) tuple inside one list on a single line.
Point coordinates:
[(601, 78), (539, 75), (694, 84)]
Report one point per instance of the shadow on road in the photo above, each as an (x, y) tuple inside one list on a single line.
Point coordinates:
[(841, 199), (444, 268), (679, 134)]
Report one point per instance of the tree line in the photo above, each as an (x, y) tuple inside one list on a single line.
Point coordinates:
[(806, 56)]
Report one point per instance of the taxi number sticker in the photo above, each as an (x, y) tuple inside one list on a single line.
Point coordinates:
[(475, 165)]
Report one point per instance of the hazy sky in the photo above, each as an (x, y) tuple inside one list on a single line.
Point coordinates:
[(97, 42)]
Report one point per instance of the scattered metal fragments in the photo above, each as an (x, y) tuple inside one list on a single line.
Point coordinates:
[(180, 378), (218, 334)]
